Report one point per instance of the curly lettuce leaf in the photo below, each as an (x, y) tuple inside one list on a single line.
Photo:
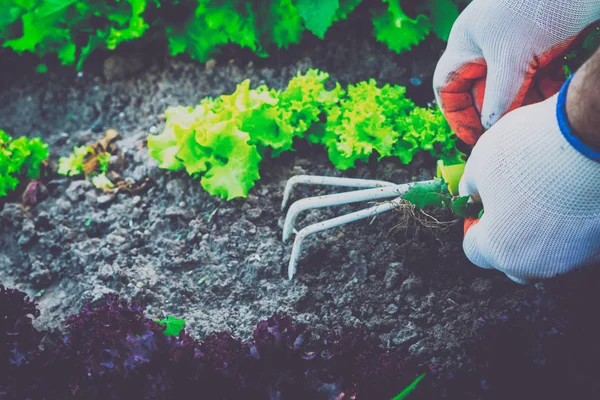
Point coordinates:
[(73, 164), (318, 15), (281, 23), (101, 181), (62, 26), (214, 23), (210, 140), (222, 141), (304, 100), (397, 30), (19, 158), (179, 127), (443, 15), (234, 163), (345, 8), (364, 123), (425, 129)]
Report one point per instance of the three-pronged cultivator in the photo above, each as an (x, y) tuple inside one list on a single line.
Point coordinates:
[(370, 190)]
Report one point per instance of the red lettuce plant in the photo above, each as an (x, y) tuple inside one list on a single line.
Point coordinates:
[(110, 350), (19, 340)]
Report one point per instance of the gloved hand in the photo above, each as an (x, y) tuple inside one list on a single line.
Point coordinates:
[(540, 189), (502, 54)]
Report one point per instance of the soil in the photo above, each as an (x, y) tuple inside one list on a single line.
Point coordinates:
[(222, 265)]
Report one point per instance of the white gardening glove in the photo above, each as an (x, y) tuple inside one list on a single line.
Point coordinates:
[(502, 54), (540, 189)]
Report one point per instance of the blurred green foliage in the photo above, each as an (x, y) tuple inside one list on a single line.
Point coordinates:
[(71, 30)]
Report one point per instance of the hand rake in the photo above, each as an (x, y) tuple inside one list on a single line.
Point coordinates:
[(369, 190)]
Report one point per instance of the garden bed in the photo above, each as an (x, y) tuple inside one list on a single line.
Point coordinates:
[(178, 251)]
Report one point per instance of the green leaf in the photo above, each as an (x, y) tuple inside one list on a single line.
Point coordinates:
[(443, 15), (424, 129), (460, 206), (434, 193), (179, 124), (101, 181), (364, 123), (317, 15), (173, 325), (464, 209), (234, 165), (103, 160), (20, 160), (398, 31), (408, 390), (223, 140), (61, 27), (73, 164), (346, 7), (281, 23), (214, 23)]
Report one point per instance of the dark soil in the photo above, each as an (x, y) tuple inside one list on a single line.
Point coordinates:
[(222, 265)]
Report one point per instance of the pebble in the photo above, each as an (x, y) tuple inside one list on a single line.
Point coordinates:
[(481, 287), (77, 190), (105, 199), (153, 129), (404, 335), (96, 126), (179, 212), (40, 276), (416, 81), (136, 200), (27, 233), (176, 188), (91, 196), (413, 284), (63, 205), (391, 309), (394, 274), (254, 214), (106, 272), (115, 240), (106, 252)]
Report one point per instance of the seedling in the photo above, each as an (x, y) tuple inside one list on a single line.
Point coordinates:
[(403, 394), (173, 325), (20, 160), (92, 161), (439, 192)]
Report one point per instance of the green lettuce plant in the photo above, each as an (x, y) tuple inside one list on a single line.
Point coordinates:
[(20, 159), (222, 141), (74, 164), (71, 30), (68, 28)]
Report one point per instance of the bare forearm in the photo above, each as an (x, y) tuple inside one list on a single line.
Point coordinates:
[(583, 102)]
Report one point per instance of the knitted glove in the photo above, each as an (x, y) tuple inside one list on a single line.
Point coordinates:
[(502, 54), (540, 188)]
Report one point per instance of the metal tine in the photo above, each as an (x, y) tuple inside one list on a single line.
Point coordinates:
[(341, 220), (332, 223), (328, 181), (338, 199)]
